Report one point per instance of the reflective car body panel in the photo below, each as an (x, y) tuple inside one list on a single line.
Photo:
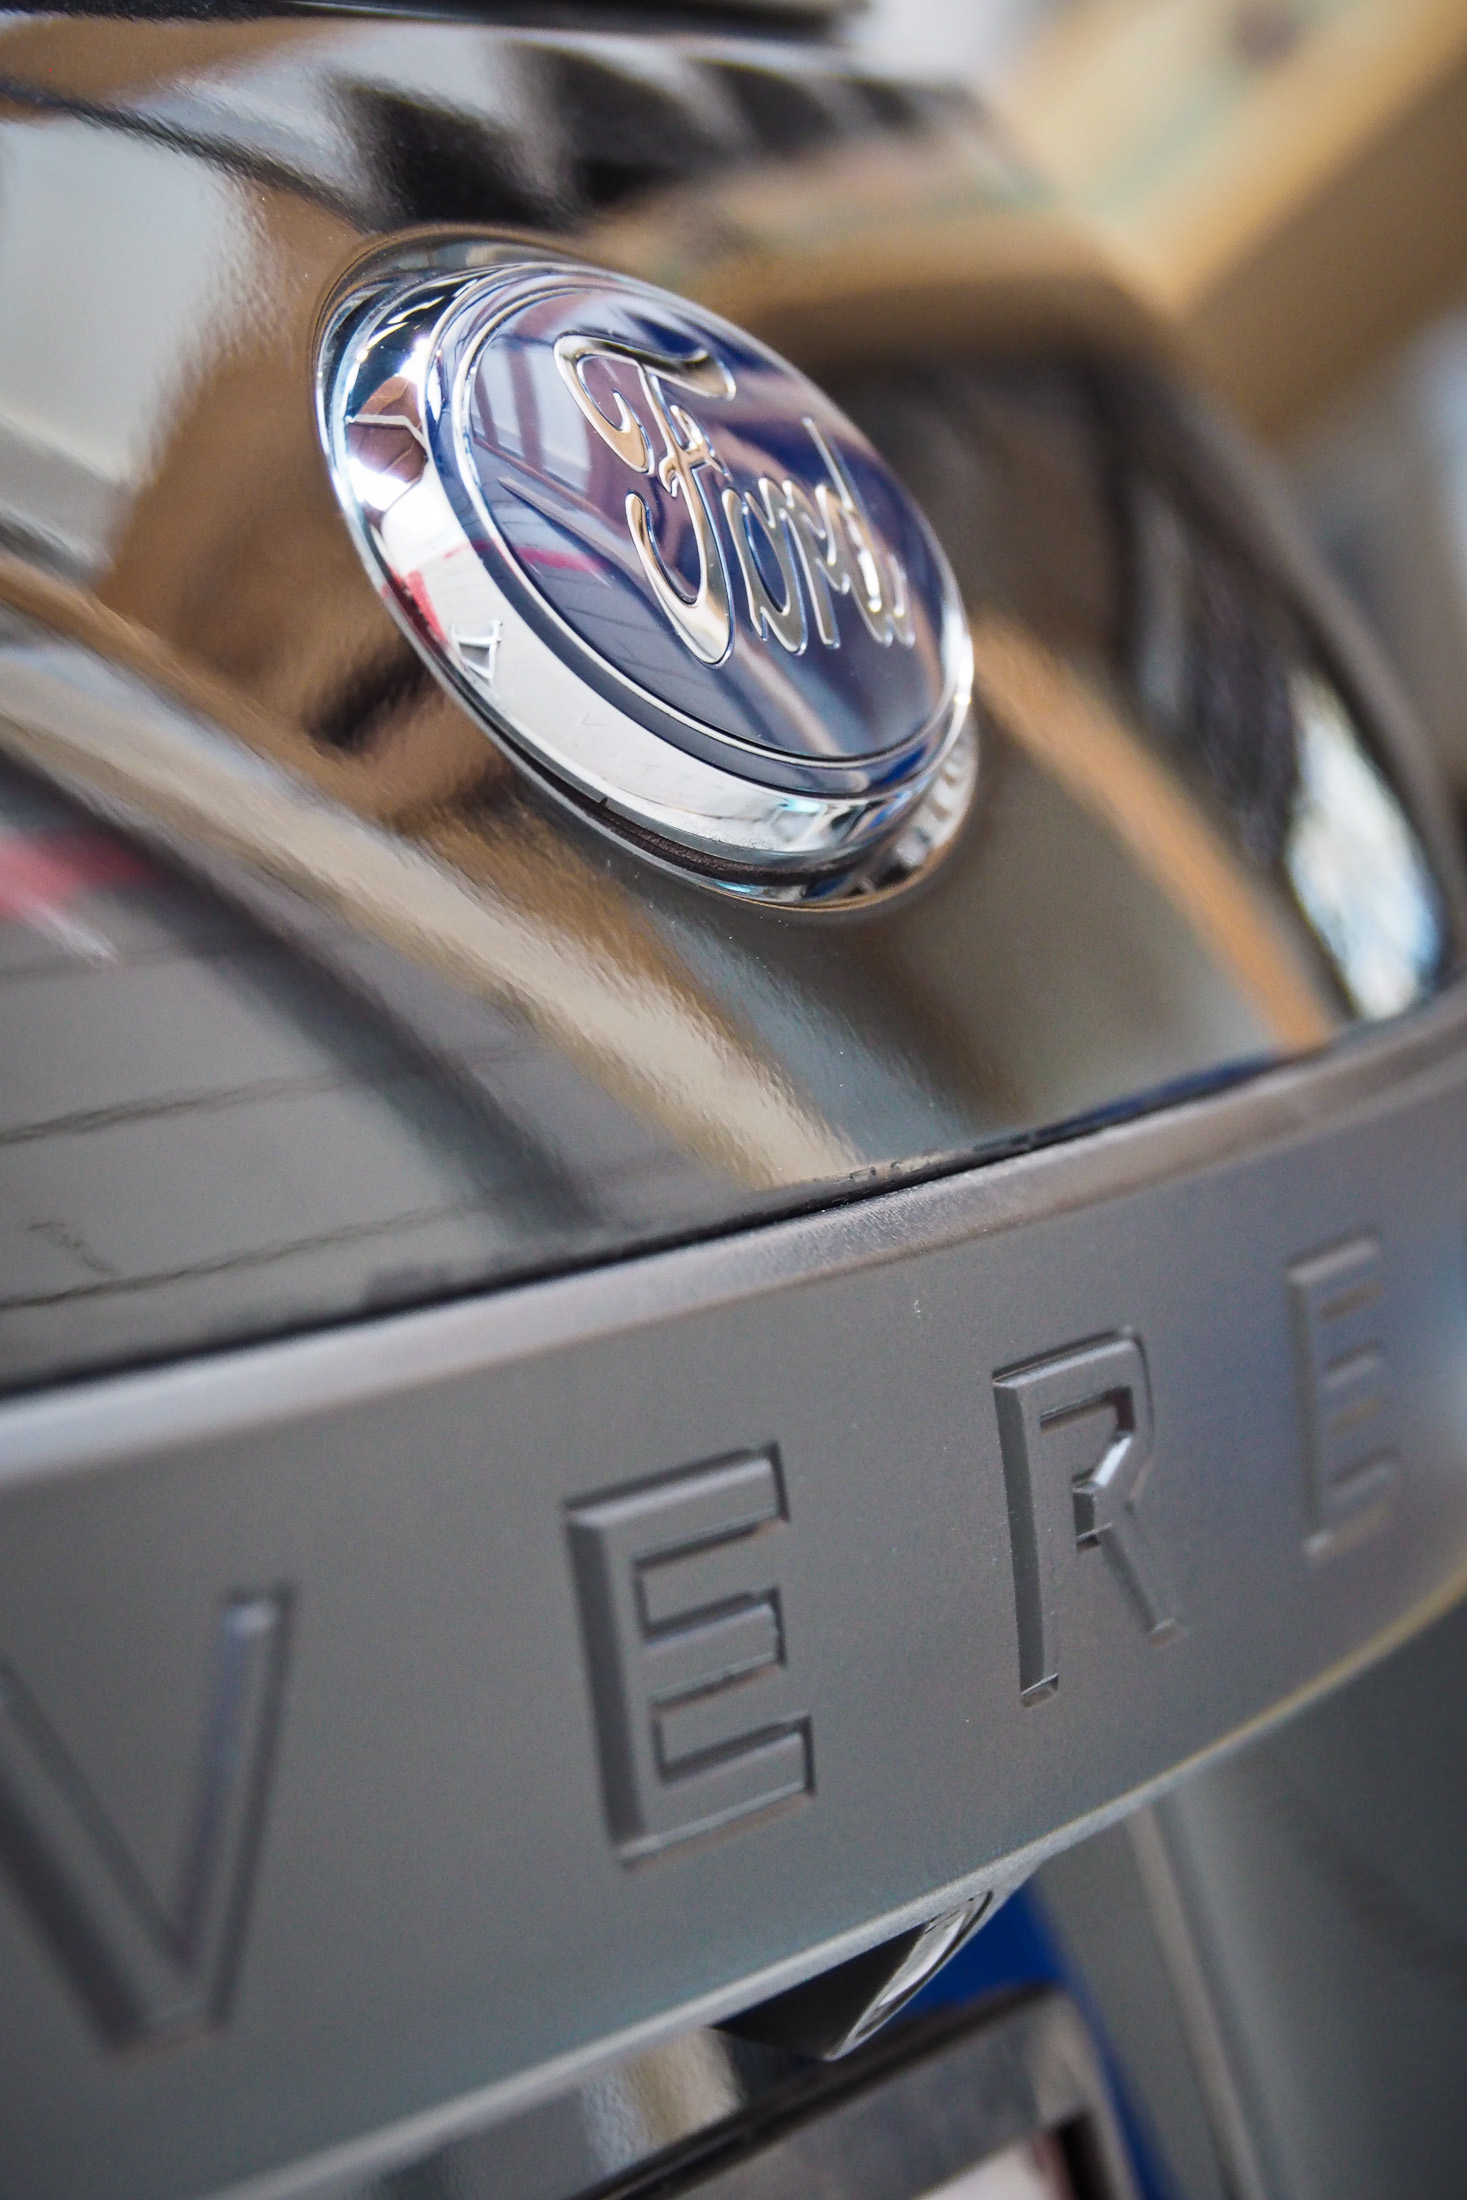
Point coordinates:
[(1195, 847)]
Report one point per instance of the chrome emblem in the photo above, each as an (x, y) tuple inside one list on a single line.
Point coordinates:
[(657, 563), (832, 545)]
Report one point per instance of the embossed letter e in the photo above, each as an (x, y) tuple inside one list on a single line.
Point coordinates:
[(146, 1971), (685, 1639), (1340, 1307)]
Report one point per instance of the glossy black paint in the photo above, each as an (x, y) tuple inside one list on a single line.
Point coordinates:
[(469, 1040)]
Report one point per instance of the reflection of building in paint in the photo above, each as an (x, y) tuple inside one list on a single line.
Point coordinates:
[(1072, 732), (1384, 479), (75, 444), (210, 1127), (1355, 865)]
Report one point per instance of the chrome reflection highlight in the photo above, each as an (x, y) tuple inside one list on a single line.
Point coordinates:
[(657, 563), (1355, 865)]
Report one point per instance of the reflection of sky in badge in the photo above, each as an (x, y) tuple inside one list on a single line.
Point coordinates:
[(558, 495), (499, 399)]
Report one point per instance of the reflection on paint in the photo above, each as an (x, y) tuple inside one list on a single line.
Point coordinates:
[(1355, 865)]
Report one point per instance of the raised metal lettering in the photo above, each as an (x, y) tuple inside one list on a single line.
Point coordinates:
[(687, 1649), (1337, 1297), (1075, 1431), (148, 1969), (704, 621), (822, 535)]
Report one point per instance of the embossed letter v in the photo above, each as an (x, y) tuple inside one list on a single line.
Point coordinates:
[(145, 1970)]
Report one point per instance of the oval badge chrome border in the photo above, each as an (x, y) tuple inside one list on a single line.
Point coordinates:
[(400, 336)]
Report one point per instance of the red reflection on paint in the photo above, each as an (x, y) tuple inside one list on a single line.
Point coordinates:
[(41, 872)]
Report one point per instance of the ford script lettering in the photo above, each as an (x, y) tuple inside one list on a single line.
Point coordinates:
[(823, 540), (659, 565)]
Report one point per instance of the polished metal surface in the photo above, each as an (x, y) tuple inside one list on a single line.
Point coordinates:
[(830, 2016), (1009, 2099), (1199, 842), (974, 2110), (653, 558)]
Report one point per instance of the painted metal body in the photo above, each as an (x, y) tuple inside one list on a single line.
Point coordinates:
[(583, 1448)]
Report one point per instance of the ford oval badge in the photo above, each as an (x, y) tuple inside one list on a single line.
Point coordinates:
[(657, 563)]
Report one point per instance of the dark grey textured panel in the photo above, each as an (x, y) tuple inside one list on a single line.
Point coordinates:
[(1323, 1879), (1094, 1897), (441, 1913)]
